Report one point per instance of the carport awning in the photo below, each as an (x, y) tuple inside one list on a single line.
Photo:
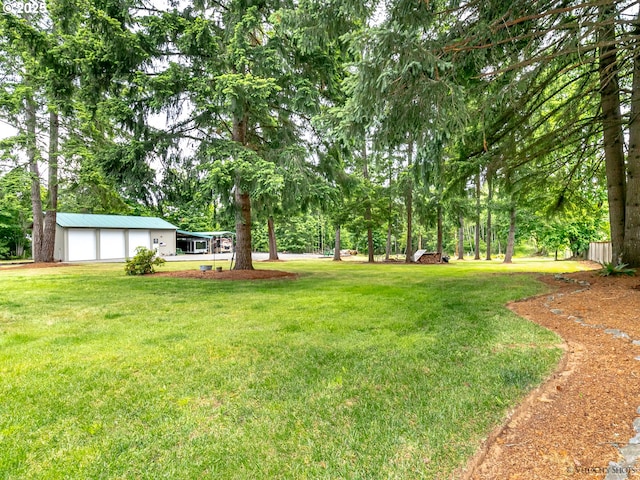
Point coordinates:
[(207, 235), (217, 234), (194, 234)]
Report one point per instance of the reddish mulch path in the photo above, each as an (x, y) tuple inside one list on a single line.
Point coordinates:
[(206, 275), (35, 265), (574, 424), (230, 274)]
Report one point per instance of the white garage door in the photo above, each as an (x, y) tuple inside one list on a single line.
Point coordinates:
[(138, 238), (112, 244), (82, 244)]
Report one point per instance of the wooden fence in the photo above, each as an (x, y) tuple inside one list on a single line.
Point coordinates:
[(599, 252)]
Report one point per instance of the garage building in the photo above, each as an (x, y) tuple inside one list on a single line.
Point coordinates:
[(87, 237)]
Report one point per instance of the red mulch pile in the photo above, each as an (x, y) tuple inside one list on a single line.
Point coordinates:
[(206, 275), (35, 265), (230, 274)]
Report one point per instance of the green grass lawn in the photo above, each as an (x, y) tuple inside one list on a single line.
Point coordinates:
[(351, 371)]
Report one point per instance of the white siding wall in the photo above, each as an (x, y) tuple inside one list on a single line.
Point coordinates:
[(59, 251), (138, 238), (82, 244), (167, 241), (112, 244), (87, 244)]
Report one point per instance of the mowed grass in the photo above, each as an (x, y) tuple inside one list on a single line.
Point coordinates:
[(351, 371)]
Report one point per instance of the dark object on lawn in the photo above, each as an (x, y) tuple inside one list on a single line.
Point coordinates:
[(429, 258), (445, 259)]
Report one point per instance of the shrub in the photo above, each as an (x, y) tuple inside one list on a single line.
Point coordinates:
[(143, 262), (612, 269)]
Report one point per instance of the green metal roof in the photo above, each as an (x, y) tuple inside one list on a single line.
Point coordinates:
[(194, 234), (84, 220), (215, 234)]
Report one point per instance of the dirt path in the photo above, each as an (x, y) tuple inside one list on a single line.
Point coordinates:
[(580, 424)]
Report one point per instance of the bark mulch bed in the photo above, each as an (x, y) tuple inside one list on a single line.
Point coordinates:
[(230, 274), (34, 265), (575, 424), (206, 275)]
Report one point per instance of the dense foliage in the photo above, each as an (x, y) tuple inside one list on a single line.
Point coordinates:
[(143, 262), (452, 126), (14, 214)]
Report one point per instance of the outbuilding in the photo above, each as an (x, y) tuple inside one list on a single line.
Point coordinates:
[(87, 237)]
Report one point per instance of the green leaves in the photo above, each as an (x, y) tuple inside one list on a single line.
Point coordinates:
[(143, 262), (611, 269), (244, 169), (241, 91), (15, 213)]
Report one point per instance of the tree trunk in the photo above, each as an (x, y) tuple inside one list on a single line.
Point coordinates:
[(36, 198), (21, 238), (631, 249), (49, 236), (477, 233), (439, 229), (387, 252), (367, 218), (409, 207), (243, 231), (243, 206), (273, 246), (367, 210), (461, 238), (387, 255), (612, 130), (511, 241), (489, 199), (336, 250), (320, 235)]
